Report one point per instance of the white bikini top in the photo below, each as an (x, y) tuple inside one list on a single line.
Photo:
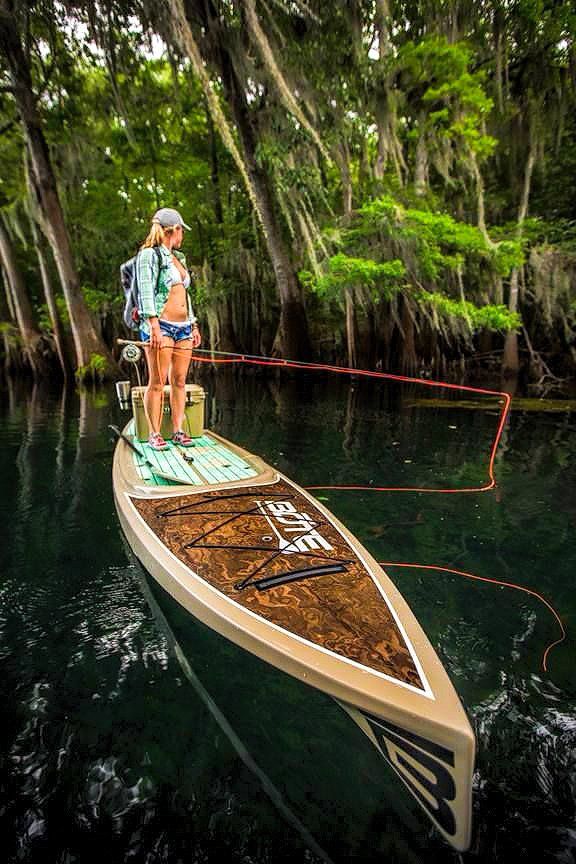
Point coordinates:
[(176, 276)]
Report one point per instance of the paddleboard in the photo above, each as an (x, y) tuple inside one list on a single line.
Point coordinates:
[(254, 556)]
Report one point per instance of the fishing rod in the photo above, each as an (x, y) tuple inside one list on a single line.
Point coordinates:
[(229, 357), (286, 363)]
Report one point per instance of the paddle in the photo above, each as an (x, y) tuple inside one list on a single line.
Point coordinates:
[(164, 474)]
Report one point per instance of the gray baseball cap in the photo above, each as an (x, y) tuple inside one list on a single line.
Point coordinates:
[(169, 218)]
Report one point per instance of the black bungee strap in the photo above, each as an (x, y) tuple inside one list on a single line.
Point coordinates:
[(292, 576), (183, 508)]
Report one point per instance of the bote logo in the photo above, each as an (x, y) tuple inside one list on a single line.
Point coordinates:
[(296, 531), (426, 768)]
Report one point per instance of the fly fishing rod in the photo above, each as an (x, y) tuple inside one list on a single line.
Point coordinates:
[(283, 362)]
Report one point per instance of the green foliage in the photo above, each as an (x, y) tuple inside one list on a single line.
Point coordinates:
[(436, 250), (554, 232), (442, 242), (489, 317), (344, 272), (9, 330), (451, 90), (62, 311), (98, 300), (43, 318), (95, 370), (450, 100), (506, 255), (439, 242)]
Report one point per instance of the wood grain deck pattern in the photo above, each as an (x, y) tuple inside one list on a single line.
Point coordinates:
[(342, 612)]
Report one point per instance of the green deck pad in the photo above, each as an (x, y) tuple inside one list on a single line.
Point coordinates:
[(214, 463)]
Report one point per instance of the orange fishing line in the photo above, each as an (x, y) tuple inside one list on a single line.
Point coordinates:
[(291, 364), (343, 370), (494, 582)]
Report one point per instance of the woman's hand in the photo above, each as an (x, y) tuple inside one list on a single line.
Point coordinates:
[(155, 333), (196, 336)]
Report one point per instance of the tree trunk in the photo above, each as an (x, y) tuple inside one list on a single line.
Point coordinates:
[(292, 337), (385, 109), (8, 293), (214, 171), (351, 329), (228, 338), (13, 360), (421, 168), (382, 16), (366, 354), (220, 326), (20, 302), (343, 162), (409, 361), (511, 360), (57, 329), (480, 197), (498, 40), (87, 342)]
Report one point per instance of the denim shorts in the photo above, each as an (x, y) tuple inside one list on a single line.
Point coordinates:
[(177, 332)]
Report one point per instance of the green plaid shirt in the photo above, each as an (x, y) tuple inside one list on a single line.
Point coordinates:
[(153, 290)]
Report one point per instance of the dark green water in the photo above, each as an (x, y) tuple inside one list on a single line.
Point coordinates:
[(117, 746)]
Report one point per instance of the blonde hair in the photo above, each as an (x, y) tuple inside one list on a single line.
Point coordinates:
[(157, 235)]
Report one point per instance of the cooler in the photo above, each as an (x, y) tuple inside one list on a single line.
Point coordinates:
[(193, 414)]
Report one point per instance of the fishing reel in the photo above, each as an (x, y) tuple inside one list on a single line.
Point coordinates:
[(131, 353)]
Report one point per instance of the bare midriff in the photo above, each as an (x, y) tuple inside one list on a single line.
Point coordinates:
[(176, 306)]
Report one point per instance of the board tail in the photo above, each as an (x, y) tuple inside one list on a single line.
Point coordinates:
[(437, 769)]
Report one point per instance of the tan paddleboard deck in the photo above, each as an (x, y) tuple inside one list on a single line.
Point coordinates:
[(267, 565)]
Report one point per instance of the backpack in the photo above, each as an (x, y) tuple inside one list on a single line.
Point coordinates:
[(129, 283)]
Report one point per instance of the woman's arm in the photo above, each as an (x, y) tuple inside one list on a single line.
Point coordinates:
[(147, 279), (147, 269)]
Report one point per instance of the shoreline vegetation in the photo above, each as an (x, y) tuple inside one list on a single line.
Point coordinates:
[(387, 186)]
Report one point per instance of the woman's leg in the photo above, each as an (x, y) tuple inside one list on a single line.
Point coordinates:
[(158, 361), (181, 358)]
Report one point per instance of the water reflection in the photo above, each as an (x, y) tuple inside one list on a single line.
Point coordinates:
[(268, 786), (108, 749)]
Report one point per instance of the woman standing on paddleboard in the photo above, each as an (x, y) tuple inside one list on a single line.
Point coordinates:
[(167, 322)]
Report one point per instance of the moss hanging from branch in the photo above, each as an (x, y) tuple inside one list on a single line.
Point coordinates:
[(185, 38), (275, 73)]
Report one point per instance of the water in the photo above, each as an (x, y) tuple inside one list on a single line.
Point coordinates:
[(133, 733)]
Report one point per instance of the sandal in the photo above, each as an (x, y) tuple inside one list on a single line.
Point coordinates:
[(182, 439), (157, 442)]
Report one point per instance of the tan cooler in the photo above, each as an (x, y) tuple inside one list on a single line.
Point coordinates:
[(193, 415)]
